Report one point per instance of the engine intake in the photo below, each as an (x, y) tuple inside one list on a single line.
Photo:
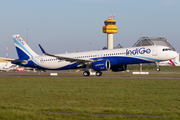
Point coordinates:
[(101, 65)]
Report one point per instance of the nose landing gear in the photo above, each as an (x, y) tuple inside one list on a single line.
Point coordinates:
[(158, 69)]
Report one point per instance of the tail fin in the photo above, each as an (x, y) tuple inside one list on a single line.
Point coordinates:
[(23, 50), (173, 63)]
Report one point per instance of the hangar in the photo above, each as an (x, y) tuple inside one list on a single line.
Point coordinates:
[(147, 41)]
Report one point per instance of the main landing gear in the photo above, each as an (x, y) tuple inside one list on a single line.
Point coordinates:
[(98, 73), (87, 73)]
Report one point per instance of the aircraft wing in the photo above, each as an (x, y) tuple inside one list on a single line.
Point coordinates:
[(79, 61)]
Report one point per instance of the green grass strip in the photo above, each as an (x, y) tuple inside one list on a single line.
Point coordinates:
[(88, 95)]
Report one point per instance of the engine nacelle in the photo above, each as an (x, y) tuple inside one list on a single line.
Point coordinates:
[(101, 65), (119, 68)]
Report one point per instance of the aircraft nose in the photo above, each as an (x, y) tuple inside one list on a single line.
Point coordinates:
[(174, 54)]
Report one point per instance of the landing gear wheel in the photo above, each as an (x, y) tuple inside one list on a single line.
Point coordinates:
[(98, 73), (86, 73), (158, 69)]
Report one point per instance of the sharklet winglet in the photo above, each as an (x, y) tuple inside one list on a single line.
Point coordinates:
[(43, 51)]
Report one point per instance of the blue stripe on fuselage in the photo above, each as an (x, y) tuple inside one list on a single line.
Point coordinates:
[(147, 58), (128, 59), (115, 60)]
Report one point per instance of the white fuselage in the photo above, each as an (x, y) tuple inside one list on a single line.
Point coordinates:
[(133, 55)]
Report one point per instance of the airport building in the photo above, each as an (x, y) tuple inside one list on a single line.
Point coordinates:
[(147, 41), (110, 28), (118, 46)]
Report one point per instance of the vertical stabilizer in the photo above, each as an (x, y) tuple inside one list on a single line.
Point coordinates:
[(23, 50), (173, 63)]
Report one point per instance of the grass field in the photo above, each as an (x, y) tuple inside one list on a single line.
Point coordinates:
[(45, 98)]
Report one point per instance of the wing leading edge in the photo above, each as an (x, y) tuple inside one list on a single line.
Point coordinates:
[(78, 61)]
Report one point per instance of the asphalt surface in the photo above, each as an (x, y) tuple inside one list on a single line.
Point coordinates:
[(72, 74)]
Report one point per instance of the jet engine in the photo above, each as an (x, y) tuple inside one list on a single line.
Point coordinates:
[(119, 68), (101, 65)]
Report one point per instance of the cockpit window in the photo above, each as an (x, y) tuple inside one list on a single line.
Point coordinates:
[(167, 49)]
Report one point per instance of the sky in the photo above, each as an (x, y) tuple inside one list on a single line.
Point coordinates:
[(76, 25)]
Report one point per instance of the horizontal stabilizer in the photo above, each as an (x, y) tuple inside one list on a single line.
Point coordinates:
[(18, 61)]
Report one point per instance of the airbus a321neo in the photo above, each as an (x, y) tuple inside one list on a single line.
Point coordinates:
[(101, 60)]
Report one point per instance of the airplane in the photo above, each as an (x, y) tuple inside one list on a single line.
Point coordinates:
[(6, 66), (101, 60), (169, 63)]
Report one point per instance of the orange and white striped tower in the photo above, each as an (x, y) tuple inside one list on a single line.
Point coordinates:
[(110, 28)]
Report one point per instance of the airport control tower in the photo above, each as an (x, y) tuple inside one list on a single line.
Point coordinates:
[(110, 28)]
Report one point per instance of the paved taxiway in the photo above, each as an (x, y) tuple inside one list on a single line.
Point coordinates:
[(68, 74)]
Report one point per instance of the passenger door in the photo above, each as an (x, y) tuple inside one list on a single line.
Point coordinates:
[(154, 51)]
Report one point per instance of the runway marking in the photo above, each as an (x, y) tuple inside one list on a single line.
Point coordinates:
[(71, 75)]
